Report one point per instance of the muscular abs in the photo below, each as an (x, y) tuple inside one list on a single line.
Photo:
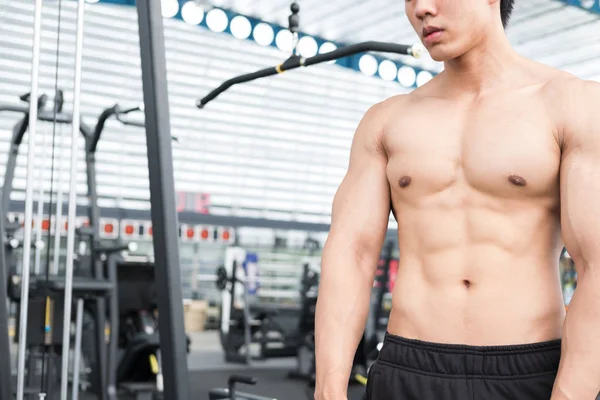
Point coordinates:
[(475, 190)]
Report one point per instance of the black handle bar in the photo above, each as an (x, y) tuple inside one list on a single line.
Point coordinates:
[(297, 62)]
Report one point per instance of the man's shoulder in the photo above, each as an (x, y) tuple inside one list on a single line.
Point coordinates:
[(393, 104), (578, 89), (380, 112), (567, 88), (573, 102), (381, 115)]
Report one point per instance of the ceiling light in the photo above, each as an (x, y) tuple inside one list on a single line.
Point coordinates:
[(192, 13), (388, 70), (240, 27), (217, 20), (308, 47), (407, 76), (368, 64), (263, 34), (170, 8)]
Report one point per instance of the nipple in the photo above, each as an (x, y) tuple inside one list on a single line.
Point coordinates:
[(517, 180), (404, 181)]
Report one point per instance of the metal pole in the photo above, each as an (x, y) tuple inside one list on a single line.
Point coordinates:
[(72, 203), (6, 392), (59, 207), (40, 209), (247, 337), (160, 382), (111, 382), (11, 162), (77, 356), (33, 114), (162, 198)]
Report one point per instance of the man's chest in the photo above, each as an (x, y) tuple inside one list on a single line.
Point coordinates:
[(502, 148)]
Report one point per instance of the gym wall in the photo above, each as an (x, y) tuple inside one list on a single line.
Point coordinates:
[(275, 148)]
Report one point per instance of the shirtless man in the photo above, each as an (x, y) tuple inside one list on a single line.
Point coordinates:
[(489, 169)]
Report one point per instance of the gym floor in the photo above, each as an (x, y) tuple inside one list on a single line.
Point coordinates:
[(208, 371)]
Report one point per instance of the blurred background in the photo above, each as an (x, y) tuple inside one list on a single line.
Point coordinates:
[(255, 170)]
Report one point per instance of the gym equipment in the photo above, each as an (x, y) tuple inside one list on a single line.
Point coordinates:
[(128, 364), (50, 291), (305, 350), (135, 352), (162, 200), (33, 118), (5, 376), (134, 359), (272, 326), (370, 342), (231, 394), (309, 288), (91, 285), (47, 292), (375, 327), (48, 295), (103, 380), (297, 61), (164, 216)]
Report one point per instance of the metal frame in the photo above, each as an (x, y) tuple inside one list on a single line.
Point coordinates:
[(101, 380), (162, 199), (106, 362), (33, 116), (5, 372), (17, 137), (18, 132)]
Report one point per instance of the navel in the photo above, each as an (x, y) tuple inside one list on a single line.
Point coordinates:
[(404, 181), (517, 180), (467, 283)]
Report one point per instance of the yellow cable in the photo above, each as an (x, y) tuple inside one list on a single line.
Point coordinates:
[(47, 313)]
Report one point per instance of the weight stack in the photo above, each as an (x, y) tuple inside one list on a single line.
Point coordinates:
[(36, 321)]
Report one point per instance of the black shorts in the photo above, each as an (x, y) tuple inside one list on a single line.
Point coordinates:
[(415, 370)]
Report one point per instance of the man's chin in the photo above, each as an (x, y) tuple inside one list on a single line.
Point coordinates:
[(438, 54)]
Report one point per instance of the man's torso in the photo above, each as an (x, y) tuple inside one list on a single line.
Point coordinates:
[(475, 190)]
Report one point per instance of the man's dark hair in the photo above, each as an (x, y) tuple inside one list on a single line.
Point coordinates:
[(506, 9)]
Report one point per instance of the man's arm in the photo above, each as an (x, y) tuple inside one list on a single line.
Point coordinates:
[(360, 215), (579, 372)]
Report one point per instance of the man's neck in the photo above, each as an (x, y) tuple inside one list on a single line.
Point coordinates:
[(484, 67)]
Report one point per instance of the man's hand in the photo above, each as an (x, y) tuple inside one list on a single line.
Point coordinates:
[(579, 372), (360, 216)]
